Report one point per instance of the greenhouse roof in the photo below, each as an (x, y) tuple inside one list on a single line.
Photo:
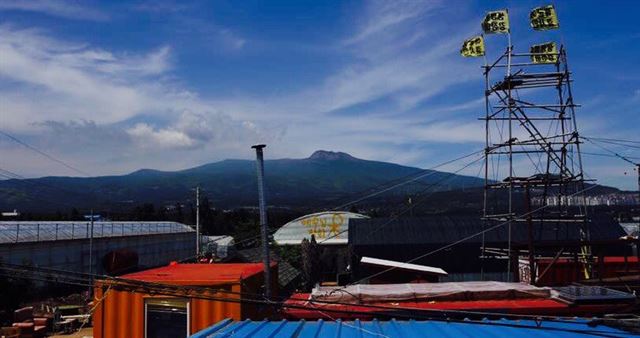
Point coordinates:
[(18, 232)]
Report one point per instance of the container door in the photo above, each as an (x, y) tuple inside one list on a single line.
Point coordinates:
[(166, 317)]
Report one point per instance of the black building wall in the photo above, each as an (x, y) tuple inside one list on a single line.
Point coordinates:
[(404, 239)]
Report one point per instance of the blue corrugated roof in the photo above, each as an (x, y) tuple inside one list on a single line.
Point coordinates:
[(433, 329)]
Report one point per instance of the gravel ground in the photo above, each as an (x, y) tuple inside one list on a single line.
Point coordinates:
[(86, 332)]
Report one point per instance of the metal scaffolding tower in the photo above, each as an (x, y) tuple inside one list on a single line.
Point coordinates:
[(533, 166)]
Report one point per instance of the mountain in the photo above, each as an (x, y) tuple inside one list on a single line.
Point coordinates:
[(324, 179)]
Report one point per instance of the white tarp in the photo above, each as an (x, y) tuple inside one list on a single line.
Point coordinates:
[(329, 227), (403, 266), (371, 293)]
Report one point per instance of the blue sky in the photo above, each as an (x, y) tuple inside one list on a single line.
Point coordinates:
[(111, 87)]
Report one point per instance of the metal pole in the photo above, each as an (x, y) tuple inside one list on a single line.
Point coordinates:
[(532, 274), (486, 164), (510, 104), (638, 234), (91, 253), (198, 221), (263, 220)]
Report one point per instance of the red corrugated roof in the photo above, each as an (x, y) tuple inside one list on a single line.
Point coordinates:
[(314, 310), (550, 307), (620, 259), (198, 274)]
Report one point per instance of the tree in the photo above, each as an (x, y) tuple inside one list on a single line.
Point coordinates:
[(311, 265), (207, 218), (75, 215)]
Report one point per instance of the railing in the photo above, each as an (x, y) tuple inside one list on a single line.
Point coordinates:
[(14, 232)]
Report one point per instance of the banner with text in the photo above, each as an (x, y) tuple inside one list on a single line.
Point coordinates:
[(544, 18), (544, 53), (473, 47), (496, 22)]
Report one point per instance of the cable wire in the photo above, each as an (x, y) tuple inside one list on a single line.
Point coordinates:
[(197, 292), (409, 178), (30, 147), (413, 205), (610, 151), (465, 238)]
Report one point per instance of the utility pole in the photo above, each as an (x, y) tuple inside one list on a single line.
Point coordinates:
[(638, 243), (263, 220), (91, 253), (198, 221), (532, 274)]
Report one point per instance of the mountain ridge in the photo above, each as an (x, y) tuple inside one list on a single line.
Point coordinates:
[(320, 180)]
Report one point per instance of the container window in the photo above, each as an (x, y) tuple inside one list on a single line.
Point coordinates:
[(166, 317)]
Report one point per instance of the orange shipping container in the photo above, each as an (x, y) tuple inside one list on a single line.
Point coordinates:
[(125, 310)]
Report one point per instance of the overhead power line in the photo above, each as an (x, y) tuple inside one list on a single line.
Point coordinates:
[(409, 178), (418, 202), (614, 140), (209, 293), (406, 180), (443, 315), (4, 173), (622, 157), (50, 157), (445, 247), (609, 155)]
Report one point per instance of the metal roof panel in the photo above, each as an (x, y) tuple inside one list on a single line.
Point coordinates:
[(328, 227), (198, 274), (502, 328), (28, 231)]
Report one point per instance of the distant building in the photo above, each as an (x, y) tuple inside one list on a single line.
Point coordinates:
[(114, 246), (331, 232), (604, 199), (220, 247), (328, 227), (13, 213)]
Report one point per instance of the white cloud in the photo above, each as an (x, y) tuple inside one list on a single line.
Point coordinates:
[(79, 101), (384, 15), (397, 55), (230, 38), (192, 130), (86, 83), (60, 8), (126, 107), (149, 137), (167, 6)]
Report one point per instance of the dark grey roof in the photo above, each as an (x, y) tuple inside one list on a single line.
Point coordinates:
[(441, 229), (286, 272)]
